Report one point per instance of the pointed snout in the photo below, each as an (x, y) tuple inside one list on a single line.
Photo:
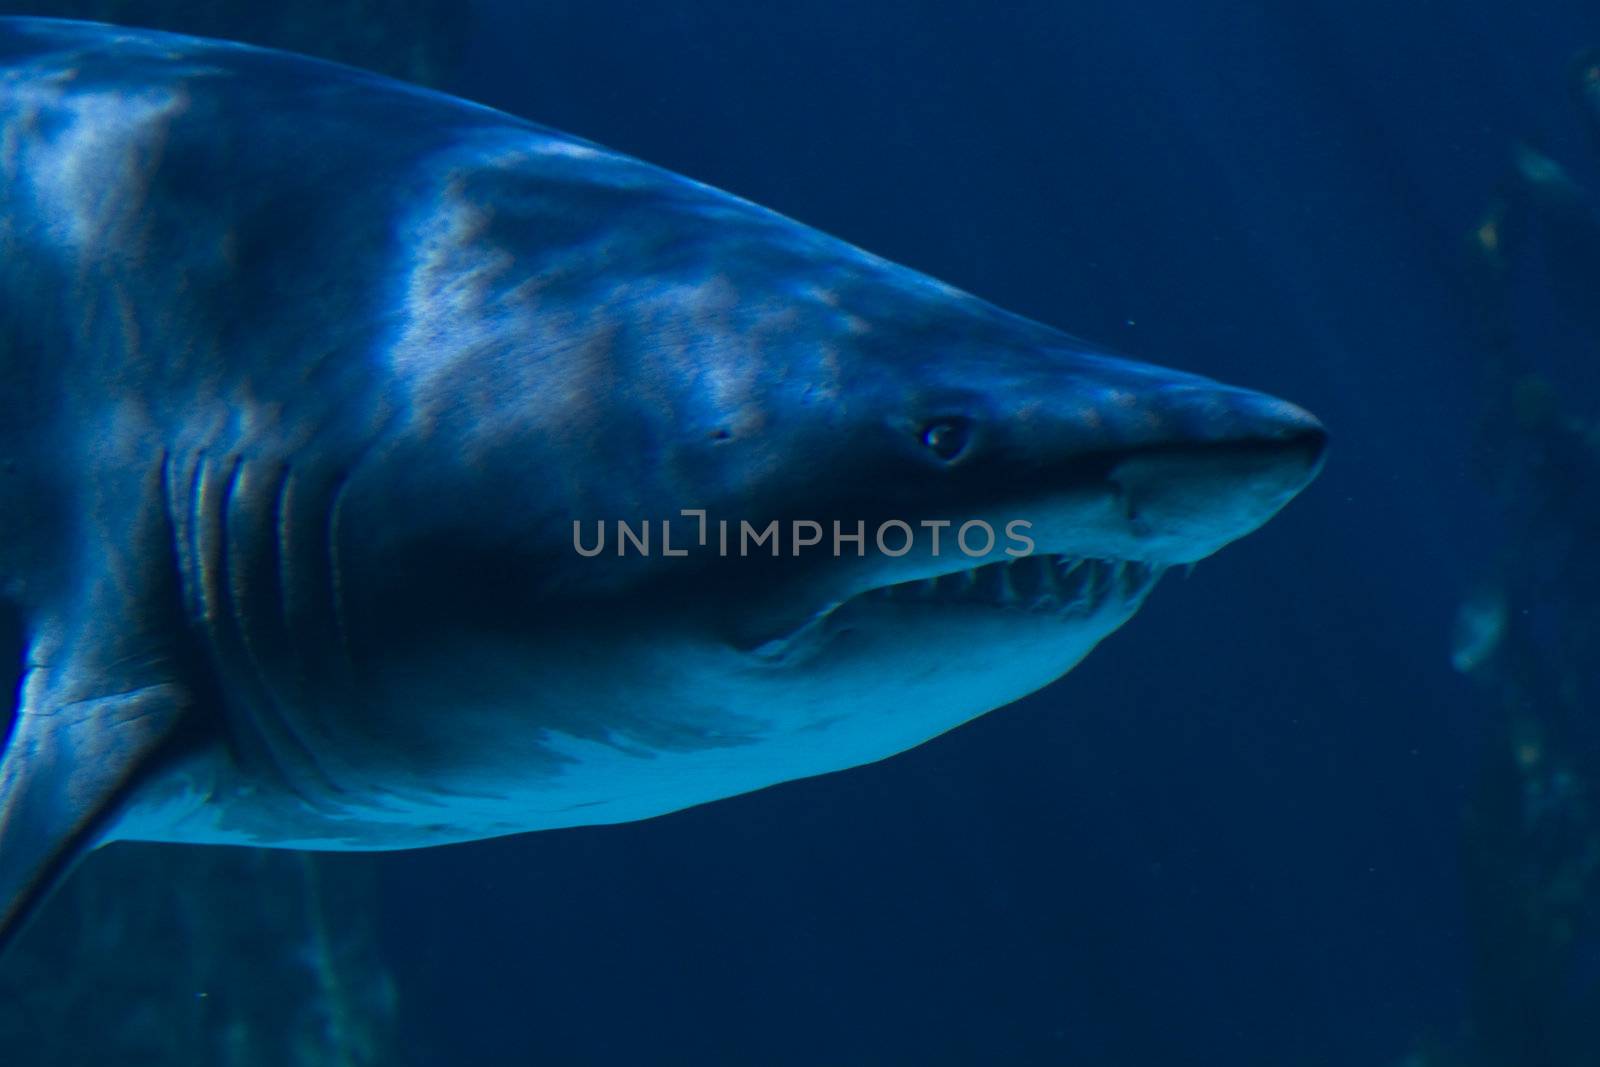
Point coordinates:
[(1143, 405), (1223, 462), (1228, 418), (1169, 467)]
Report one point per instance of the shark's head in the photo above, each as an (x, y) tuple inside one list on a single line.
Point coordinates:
[(966, 503), (1012, 503), (847, 489)]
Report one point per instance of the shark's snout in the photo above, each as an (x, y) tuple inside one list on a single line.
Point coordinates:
[(1213, 463), (1136, 462), (1184, 501)]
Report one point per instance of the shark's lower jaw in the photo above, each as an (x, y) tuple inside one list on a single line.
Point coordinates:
[(1043, 584)]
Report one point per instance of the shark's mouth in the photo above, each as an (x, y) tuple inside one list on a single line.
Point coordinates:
[(1042, 584), (1047, 587)]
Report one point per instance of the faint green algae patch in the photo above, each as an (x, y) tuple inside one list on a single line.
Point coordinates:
[(418, 40), (178, 956)]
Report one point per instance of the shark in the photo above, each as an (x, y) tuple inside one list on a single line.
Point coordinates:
[(379, 470)]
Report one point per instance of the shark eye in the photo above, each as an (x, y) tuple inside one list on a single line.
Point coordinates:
[(947, 438)]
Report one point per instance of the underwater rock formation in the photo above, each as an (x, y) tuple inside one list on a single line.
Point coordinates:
[(1529, 633)]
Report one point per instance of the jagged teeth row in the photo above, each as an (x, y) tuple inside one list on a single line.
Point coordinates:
[(1045, 584)]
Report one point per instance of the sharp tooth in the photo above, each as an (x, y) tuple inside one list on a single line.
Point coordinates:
[(1026, 579), (1008, 592), (1091, 579), (1149, 575), (986, 584), (1081, 575)]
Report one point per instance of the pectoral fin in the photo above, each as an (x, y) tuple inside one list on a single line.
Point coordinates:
[(71, 761)]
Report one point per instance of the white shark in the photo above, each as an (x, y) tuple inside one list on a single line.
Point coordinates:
[(317, 390)]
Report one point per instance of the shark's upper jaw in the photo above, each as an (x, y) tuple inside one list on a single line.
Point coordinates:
[(1048, 585)]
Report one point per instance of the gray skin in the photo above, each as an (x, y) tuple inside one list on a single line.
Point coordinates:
[(307, 375)]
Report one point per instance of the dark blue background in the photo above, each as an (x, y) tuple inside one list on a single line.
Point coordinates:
[(1231, 836)]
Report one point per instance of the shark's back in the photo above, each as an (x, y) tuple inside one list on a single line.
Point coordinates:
[(152, 187), (165, 199)]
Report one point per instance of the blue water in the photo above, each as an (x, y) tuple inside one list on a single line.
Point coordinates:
[(1232, 835)]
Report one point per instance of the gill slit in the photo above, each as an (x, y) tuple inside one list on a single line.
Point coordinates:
[(237, 512), (284, 540), (336, 568), (223, 620)]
